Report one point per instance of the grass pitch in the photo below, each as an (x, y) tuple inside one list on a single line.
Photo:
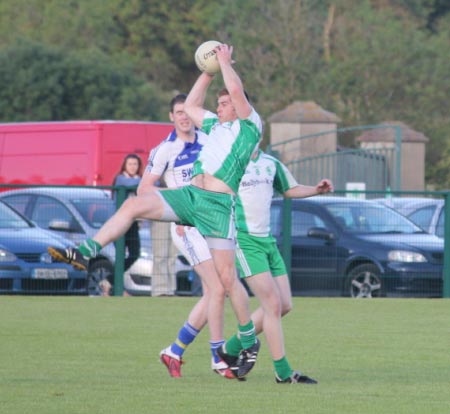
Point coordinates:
[(85, 355)]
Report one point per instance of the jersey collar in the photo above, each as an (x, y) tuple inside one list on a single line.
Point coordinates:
[(173, 136)]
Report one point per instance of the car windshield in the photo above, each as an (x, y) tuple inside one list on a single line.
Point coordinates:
[(370, 218), (9, 219), (95, 211)]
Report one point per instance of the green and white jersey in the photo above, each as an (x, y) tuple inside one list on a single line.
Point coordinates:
[(229, 147), (262, 175)]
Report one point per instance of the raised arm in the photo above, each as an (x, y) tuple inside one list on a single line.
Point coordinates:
[(196, 99), (232, 81)]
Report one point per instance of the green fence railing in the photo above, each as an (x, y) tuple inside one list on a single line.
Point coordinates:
[(314, 156), (288, 234)]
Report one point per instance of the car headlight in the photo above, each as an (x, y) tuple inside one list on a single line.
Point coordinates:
[(7, 256), (406, 256)]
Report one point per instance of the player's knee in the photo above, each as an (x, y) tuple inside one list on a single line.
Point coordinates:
[(130, 204), (231, 284), (216, 291), (227, 274), (278, 308), (286, 307), (220, 291)]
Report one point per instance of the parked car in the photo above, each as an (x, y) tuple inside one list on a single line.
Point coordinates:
[(78, 213), (26, 266), (427, 213), (359, 248)]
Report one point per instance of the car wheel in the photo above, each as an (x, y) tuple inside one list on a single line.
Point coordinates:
[(364, 281), (100, 272)]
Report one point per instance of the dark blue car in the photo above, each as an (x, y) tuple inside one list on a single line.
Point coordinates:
[(358, 248), (25, 265)]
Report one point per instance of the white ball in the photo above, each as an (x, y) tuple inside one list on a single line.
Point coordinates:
[(205, 57)]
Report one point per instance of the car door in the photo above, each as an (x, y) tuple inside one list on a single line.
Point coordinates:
[(50, 213), (313, 259), (314, 254), (20, 203)]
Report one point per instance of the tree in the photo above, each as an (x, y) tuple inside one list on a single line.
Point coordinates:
[(383, 69), (365, 63), (366, 60), (157, 38), (40, 83)]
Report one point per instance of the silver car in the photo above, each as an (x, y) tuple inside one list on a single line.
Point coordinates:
[(77, 214), (427, 213)]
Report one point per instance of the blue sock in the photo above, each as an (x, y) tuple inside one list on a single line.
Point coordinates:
[(214, 346), (185, 336)]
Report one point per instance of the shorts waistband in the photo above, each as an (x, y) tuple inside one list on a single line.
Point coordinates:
[(215, 193)]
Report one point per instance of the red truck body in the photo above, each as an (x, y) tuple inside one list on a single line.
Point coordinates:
[(73, 152)]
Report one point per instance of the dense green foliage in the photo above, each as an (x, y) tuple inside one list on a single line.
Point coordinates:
[(369, 61), (44, 83)]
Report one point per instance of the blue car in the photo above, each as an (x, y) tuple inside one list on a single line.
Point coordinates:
[(358, 248), (25, 265)]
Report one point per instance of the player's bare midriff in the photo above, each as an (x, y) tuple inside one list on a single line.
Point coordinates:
[(210, 183)]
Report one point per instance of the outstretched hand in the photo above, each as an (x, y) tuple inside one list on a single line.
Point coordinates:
[(223, 53), (324, 186)]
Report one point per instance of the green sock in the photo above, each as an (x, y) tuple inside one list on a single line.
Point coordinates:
[(233, 346), (90, 248), (282, 368), (247, 335)]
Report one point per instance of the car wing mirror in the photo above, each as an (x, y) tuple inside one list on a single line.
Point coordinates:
[(321, 233)]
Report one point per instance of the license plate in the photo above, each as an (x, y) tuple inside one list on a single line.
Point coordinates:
[(50, 274)]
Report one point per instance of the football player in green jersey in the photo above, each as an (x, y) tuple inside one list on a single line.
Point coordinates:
[(259, 260)]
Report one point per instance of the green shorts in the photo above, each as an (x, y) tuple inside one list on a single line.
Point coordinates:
[(256, 255), (212, 213)]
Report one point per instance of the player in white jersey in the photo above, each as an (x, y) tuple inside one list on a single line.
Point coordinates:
[(208, 202), (259, 259), (172, 161)]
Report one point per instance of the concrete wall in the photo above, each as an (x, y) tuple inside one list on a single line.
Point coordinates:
[(302, 148)]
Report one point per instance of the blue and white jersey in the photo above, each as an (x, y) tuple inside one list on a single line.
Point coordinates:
[(174, 159)]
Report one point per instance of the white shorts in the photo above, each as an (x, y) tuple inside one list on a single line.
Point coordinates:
[(192, 245)]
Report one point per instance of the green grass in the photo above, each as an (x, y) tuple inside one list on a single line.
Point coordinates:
[(100, 355)]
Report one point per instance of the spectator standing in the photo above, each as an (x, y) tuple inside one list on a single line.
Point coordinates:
[(129, 176)]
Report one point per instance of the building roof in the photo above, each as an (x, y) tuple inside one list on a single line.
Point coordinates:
[(388, 134)]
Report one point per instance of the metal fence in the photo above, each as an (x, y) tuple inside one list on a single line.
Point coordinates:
[(332, 154), (339, 249)]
